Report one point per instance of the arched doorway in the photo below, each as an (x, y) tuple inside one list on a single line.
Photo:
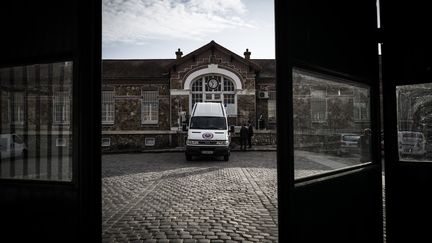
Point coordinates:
[(214, 84), (214, 88)]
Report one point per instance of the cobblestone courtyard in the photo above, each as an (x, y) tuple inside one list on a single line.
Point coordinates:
[(161, 197)]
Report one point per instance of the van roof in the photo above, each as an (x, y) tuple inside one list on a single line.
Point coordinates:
[(209, 109)]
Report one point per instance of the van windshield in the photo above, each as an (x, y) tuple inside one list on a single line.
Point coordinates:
[(208, 122)]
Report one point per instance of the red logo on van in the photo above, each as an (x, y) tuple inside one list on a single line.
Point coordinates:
[(207, 135)]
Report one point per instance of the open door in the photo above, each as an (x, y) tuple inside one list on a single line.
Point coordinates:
[(407, 78), (327, 105), (49, 121)]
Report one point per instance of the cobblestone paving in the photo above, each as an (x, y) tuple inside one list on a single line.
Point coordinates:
[(161, 197), (164, 198)]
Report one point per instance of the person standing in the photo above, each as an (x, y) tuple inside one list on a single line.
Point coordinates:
[(365, 141), (250, 134), (243, 137)]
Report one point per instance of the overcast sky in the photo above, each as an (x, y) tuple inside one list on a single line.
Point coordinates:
[(146, 29)]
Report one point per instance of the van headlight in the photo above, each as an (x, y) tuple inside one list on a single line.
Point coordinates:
[(222, 142), (191, 142)]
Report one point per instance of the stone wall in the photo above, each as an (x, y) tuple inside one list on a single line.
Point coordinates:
[(246, 109), (136, 142), (179, 103), (128, 99), (260, 137), (127, 114)]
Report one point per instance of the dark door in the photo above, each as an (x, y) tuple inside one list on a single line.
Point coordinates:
[(50, 103), (407, 77), (327, 101)]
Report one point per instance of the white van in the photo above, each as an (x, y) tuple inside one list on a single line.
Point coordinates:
[(208, 131), (12, 145)]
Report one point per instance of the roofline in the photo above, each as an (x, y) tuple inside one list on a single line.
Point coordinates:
[(214, 44), (146, 59), (173, 59)]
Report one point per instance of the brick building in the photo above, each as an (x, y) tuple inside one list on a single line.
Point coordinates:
[(146, 103)]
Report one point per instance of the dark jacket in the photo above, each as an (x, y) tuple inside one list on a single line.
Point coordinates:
[(243, 132), (365, 144), (250, 130)]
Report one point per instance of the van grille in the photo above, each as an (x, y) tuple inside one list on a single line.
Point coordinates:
[(207, 142)]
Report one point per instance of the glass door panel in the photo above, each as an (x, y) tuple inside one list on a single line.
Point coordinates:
[(331, 123), (36, 122)]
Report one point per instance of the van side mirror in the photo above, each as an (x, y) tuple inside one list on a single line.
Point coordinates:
[(231, 129)]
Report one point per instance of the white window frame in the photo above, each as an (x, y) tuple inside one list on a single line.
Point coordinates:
[(61, 142), (319, 98), (357, 107), (271, 106), (6, 104), (149, 101), (108, 107), (18, 108), (203, 91), (61, 99), (150, 141), (106, 142)]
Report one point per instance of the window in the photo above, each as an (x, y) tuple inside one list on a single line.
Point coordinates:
[(211, 88), (196, 98), (149, 107), (228, 85), (61, 107), (414, 122), (5, 115), (108, 107), (61, 142), (336, 143), (208, 122), (17, 108), (149, 141), (271, 106), (361, 105), (229, 98), (197, 85), (318, 104), (35, 102), (106, 142)]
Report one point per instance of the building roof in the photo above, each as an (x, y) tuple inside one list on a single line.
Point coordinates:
[(136, 68), (160, 68), (268, 67)]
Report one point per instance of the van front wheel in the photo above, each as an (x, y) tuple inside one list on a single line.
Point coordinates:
[(226, 157)]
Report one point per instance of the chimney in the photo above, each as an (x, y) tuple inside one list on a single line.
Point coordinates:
[(179, 54), (247, 54)]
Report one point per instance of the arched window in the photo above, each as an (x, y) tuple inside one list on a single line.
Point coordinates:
[(214, 88)]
